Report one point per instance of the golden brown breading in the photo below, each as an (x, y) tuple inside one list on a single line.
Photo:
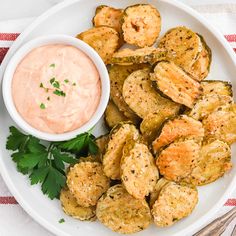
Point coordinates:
[(175, 83), (141, 25), (183, 46), (208, 104), (103, 39), (139, 173), (221, 124), (157, 189), (113, 115), (201, 67), (87, 182), (118, 137), (143, 98), (108, 16), (123, 213), (174, 203), (117, 75), (214, 162), (180, 127), (72, 208), (178, 160), (217, 87)]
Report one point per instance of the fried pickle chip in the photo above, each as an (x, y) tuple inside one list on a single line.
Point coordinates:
[(91, 158), (103, 39), (157, 189), (174, 202), (118, 74), (180, 127), (72, 208), (108, 16), (221, 124), (102, 142), (87, 182), (183, 46), (207, 104), (113, 115), (175, 83), (138, 56), (118, 137), (178, 160), (143, 98), (151, 124), (214, 162), (217, 87), (121, 212), (201, 68), (139, 173), (141, 25)]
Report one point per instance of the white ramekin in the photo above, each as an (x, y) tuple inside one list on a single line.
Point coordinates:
[(45, 40)]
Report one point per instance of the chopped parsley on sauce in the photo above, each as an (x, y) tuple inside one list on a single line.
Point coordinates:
[(42, 106), (59, 93), (52, 65)]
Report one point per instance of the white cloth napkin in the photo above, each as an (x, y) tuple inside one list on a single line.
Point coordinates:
[(14, 221)]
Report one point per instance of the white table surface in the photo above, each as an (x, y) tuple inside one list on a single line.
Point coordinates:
[(12, 9)]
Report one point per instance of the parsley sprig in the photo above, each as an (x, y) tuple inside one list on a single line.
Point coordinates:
[(45, 163)]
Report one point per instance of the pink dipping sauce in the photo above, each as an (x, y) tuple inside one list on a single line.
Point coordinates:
[(56, 88)]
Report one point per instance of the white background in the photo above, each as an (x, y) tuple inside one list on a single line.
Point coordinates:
[(10, 9)]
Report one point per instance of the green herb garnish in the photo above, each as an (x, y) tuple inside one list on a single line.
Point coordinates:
[(66, 81), (52, 80), (42, 106), (41, 85), (52, 65), (74, 84), (61, 221), (45, 164), (56, 84), (59, 93)]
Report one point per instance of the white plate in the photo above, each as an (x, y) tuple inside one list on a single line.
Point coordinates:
[(71, 17)]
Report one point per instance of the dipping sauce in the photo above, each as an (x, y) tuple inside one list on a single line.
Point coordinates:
[(56, 88)]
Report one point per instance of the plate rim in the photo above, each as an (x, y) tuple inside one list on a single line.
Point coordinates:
[(4, 173)]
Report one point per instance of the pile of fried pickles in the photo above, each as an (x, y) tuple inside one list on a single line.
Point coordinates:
[(170, 130)]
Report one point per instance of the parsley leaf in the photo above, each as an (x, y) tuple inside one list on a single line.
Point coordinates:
[(92, 146), (75, 144), (16, 139), (53, 183), (31, 160), (39, 175), (67, 158), (45, 164), (16, 157)]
